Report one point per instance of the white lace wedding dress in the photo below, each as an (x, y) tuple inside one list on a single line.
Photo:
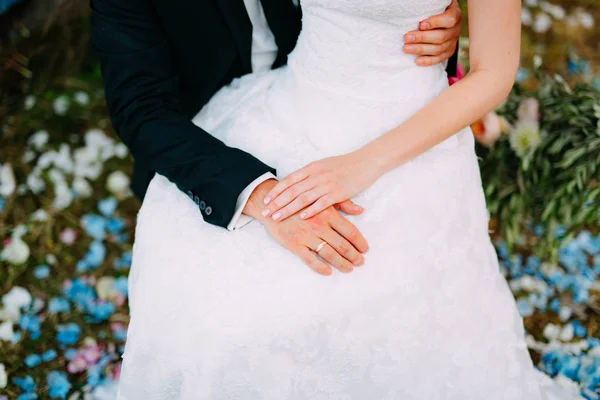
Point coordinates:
[(223, 315)]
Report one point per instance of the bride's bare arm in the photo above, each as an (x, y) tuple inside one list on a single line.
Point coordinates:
[(495, 33)]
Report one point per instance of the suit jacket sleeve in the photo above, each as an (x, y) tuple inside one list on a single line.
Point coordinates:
[(141, 89)]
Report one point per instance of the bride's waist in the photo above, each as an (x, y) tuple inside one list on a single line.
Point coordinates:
[(377, 80)]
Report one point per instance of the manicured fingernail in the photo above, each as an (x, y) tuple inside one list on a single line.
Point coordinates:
[(409, 48), (425, 25), (266, 200), (410, 39), (303, 215), (265, 212), (359, 262), (276, 216)]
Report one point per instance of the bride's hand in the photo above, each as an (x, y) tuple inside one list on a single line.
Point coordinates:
[(319, 185)]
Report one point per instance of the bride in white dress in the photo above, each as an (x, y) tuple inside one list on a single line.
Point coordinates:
[(220, 314)]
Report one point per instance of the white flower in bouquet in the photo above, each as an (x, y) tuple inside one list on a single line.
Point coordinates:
[(525, 137), (61, 105), (529, 110)]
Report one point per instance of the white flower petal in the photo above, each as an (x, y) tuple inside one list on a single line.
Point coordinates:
[(82, 98), (8, 183), (61, 105), (29, 102), (38, 140), (6, 331), (3, 377), (17, 298), (117, 182)]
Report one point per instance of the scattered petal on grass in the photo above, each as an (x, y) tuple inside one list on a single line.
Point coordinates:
[(42, 271), (61, 105), (68, 236), (33, 360), (3, 377), (58, 385)]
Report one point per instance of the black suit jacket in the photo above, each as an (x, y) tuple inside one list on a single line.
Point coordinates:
[(161, 61)]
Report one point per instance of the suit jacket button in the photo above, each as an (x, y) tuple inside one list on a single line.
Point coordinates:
[(190, 194), (202, 205), (196, 200), (208, 210)]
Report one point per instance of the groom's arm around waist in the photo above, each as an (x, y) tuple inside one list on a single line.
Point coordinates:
[(142, 95)]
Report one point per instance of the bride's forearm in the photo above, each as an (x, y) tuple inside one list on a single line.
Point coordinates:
[(457, 107), (494, 49)]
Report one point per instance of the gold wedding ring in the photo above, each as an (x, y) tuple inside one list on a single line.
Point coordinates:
[(320, 246)]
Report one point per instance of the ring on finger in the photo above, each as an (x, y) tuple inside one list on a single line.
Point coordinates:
[(320, 246)]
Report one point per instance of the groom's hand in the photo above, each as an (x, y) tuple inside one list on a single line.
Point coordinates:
[(437, 37), (345, 243)]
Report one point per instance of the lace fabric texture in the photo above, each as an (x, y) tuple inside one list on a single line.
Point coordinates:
[(232, 315)]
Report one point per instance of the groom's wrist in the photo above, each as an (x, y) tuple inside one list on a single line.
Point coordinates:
[(255, 204)]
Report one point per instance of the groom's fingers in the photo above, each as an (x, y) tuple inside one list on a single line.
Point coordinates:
[(438, 36), (428, 49), (346, 254), (450, 18), (332, 256), (350, 232), (426, 61), (310, 258)]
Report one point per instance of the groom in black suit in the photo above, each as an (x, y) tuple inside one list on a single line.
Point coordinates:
[(162, 60)]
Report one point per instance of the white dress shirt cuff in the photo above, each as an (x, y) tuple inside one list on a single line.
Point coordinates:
[(239, 220)]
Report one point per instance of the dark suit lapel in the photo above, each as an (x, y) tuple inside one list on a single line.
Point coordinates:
[(284, 19), (239, 23)]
